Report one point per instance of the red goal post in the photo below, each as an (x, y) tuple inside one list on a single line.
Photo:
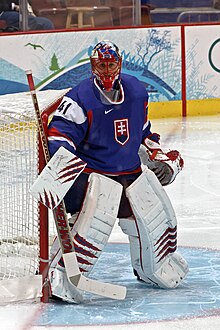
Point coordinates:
[(44, 241)]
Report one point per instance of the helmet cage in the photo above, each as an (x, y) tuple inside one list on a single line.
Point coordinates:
[(106, 64)]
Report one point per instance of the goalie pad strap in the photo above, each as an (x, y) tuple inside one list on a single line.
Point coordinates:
[(152, 250)]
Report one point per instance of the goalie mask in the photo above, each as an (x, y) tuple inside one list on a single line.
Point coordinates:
[(106, 64)]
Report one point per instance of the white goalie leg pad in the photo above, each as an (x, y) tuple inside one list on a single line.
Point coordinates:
[(153, 233), (94, 223), (96, 220), (128, 226)]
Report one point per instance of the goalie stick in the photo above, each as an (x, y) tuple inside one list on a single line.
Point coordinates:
[(63, 231)]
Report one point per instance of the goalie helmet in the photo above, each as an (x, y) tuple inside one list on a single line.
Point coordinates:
[(106, 63)]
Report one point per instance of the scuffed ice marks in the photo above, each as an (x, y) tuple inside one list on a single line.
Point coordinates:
[(199, 294)]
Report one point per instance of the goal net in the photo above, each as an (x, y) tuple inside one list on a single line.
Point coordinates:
[(20, 222)]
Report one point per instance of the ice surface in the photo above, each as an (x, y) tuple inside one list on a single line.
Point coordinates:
[(195, 195)]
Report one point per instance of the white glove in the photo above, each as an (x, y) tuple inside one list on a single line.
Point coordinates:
[(166, 166)]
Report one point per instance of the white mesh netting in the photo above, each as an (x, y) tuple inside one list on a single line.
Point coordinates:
[(19, 220)]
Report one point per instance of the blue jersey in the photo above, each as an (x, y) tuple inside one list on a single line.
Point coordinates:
[(106, 136)]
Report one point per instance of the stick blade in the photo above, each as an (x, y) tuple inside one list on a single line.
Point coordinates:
[(57, 177), (107, 290), (83, 283)]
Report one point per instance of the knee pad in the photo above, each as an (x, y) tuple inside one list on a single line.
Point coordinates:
[(152, 233)]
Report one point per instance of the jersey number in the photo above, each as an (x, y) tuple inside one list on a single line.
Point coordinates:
[(63, 107)]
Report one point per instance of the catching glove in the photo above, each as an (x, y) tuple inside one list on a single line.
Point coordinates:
[(166, 166)]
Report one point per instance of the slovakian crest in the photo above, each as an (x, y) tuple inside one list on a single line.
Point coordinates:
[(121, 131)]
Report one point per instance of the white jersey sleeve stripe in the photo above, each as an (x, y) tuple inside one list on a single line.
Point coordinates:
[(61, 138), (145, 125), (70, 110)]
